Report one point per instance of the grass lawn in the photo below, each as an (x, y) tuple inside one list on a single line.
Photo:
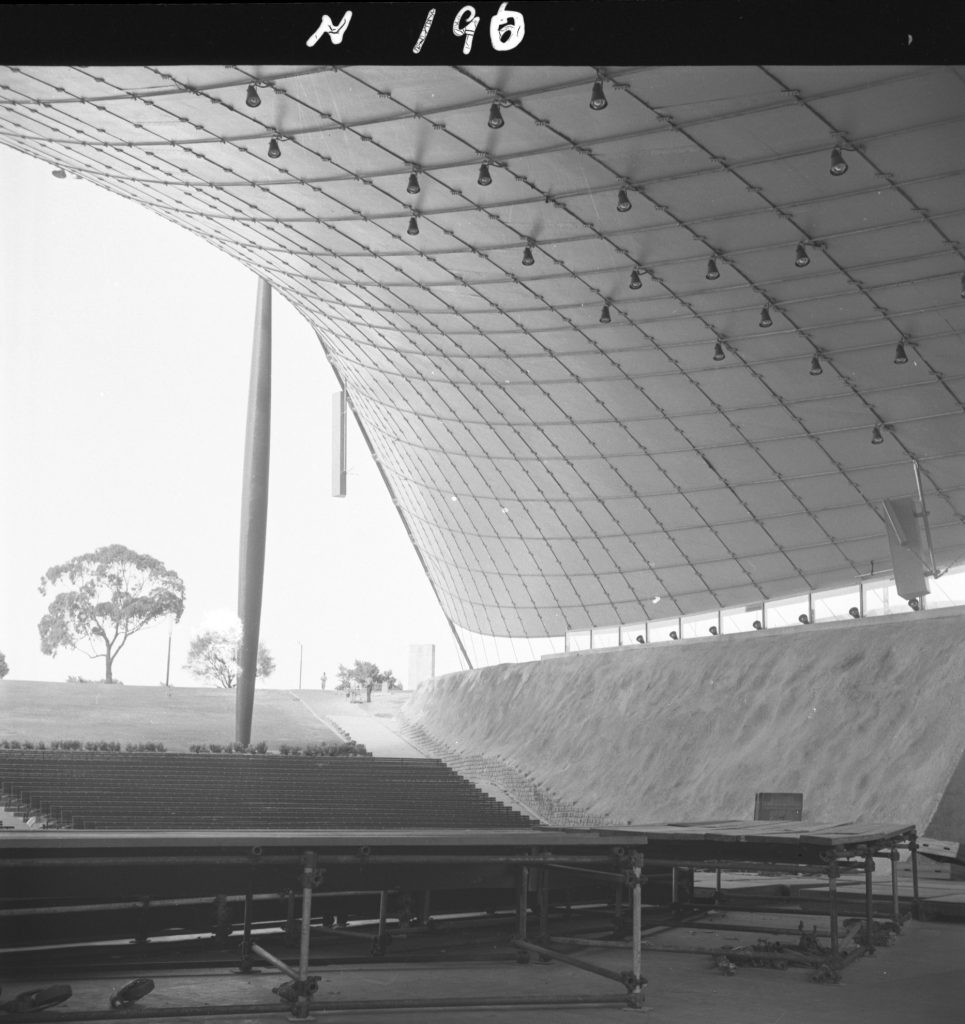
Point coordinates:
[(175, 716)]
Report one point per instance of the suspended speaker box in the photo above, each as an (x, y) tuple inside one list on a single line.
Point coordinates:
[(339, 447), (909, 553)]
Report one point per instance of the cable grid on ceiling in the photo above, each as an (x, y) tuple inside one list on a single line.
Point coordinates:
[(397, 288)]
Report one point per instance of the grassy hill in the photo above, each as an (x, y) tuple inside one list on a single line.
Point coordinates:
[(175, 716), (865, 718)]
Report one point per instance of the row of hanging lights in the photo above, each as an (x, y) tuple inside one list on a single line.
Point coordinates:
[(598, 101), (838, 166)]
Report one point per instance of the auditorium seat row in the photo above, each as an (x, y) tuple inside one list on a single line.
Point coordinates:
[(93, 789)]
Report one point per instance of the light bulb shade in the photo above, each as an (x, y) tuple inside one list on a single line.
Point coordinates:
[(804, 620), (757, 624), (876, 437), (801, 258), (413, 228), (712, 272), (623, 201), (766, 320), (495, 117), (641, 639), (816, 368), (252, 99), (673, 634), (838, 166), (485, 178), (274, 150), (718, 351), (901, 356), (854, 613), (713, 631), (413, 187), (59, 172), (597, 97), (528, 260), (605, 315), (635, 281)]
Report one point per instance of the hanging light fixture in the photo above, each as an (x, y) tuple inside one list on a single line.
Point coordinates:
[(712, 272), (854, 613), (623, 201), (713, 631), (801, 258), (485, 178), (528, 260), (876, 437), (816, 368), (718, 351), (757, 624), (804, 620), (252, 99), (838, 166), (495, 117), (605, 314), (413, 187), (901, 356), (597, 97), (766, 320), (59, 172), (413, 228), (635, 281), (673, 635), (274, 150)]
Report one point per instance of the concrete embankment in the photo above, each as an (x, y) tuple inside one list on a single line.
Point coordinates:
[(865, 718)]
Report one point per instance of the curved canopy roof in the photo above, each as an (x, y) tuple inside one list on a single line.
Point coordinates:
[(597, 374)]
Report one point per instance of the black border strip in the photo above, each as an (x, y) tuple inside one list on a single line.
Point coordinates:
[(602, 32)]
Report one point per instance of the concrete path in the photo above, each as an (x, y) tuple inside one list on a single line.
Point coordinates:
[(374, 724), (375, 735)]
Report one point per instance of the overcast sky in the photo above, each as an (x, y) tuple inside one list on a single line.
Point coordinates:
[(125, 346)]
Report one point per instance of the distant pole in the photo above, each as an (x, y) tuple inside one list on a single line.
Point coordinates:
[(301, 651), (167, 671), (254, 512)]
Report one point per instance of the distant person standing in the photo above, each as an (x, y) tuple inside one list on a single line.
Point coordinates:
[(324, 678)]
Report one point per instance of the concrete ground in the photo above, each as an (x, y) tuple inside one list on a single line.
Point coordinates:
[(919, 979)]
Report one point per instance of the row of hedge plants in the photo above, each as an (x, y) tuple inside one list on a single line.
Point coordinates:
[(111, 746), (347, 749)]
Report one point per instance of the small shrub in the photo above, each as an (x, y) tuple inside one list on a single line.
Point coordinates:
[(145, 748), (198, 748), (260, 748)]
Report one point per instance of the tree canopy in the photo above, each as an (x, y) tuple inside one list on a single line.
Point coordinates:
[(214, 652), (367, 675), (103, 598), (3, 665)]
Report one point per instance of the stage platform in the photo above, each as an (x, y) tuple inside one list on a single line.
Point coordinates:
[(530, 866), (71, 863)]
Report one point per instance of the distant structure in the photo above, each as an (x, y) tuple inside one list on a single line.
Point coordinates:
[(422, 664)]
